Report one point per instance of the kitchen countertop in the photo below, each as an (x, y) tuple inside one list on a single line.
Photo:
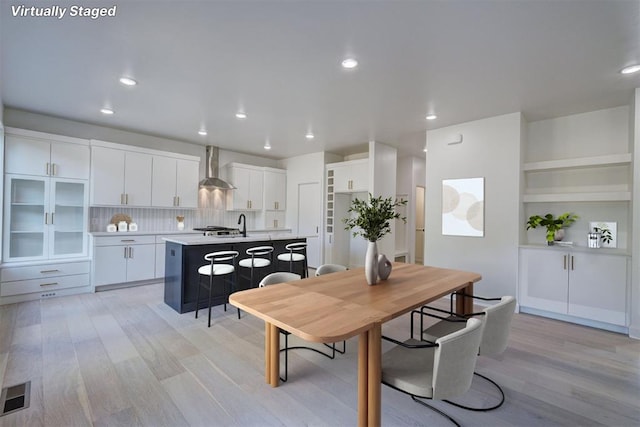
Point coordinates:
[(211, 240), (263, 233)]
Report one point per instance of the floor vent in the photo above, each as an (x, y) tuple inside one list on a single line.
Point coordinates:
[(15, 398)]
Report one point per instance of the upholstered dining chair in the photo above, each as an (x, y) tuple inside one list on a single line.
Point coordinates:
[(434, 370), (222, 264), (330, 268), (282, 277), (497, 323)]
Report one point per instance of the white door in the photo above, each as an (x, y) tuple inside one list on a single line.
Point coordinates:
[(70, 160), (27, 156), (110, 265), (419, 249), (137, 179), (187, 183), (309, 219), (107, 176), (141, 262), (163, 182)]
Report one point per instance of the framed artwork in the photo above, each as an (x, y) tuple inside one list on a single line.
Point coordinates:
[(609, 232), (463, 207)]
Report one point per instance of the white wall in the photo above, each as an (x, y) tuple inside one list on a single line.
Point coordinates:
[(383, 162), (634, 327), (490, 149)]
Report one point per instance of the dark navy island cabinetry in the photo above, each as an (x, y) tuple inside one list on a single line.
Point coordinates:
[(185, 255)]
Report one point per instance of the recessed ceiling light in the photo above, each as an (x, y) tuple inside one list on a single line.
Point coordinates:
[(267, 145), (349, 63), (309, 135), (431, 117), (128, 81), (241, 115), (107, 111), (202, 132), (630, 69)]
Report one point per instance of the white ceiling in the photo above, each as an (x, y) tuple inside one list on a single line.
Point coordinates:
[(199, 62)]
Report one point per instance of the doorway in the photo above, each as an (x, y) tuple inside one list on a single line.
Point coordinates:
[(419, 248), (309, 219)]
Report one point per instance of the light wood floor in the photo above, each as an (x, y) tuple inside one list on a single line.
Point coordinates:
[(123, 357)]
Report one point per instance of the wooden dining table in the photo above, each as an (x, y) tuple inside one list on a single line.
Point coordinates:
[(338, 306)]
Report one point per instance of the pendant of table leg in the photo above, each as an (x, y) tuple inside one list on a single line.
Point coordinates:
[(267, 352), (464, 305), (363, 378), (375, 375), (274, 355)]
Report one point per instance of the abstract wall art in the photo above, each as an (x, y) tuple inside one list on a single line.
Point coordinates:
[(463, 207)]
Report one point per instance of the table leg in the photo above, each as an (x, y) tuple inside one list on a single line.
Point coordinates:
[(375, 375), (465, 305), (274, 356), (363, 376), (267, 352)]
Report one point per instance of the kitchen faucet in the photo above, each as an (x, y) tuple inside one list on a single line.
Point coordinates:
[(244, 224)]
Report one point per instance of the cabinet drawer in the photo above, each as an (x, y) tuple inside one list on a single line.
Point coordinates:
[(43, 271), (124, 240), (43, 285)]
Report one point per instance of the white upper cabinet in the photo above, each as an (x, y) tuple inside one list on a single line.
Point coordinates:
[(120, 178), (351, 176), (275, 189), (249, 181), (175, 182), (40, 154)]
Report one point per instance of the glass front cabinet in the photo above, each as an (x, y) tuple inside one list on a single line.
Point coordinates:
[(45, 218)]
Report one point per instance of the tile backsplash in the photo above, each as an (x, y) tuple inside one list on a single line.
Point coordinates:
[(210, 212)]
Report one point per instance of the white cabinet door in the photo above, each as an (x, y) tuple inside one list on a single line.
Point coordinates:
[(141, 262), (107, 176), (163, 185), (160, 255), (341, 179), (256, 189), (137, 182), (274, 219), (351, 177), (598, 287), (359, 176), (70, 160), (187, 174), (109, 264), (238, 199), (27, 156), (26, 217), (68, 218), (275, 190), (544, 277)]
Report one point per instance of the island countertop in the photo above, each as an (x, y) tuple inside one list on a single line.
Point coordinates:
[(191, 240)]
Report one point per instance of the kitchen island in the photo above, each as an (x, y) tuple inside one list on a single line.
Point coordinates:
[(185, 254)]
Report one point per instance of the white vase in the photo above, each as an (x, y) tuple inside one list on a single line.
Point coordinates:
[(384, 267), (180, 225), (371, 263), (558, 235)]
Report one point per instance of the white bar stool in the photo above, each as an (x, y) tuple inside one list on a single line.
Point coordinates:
[(297, 253), (261, 257), (221, 264)]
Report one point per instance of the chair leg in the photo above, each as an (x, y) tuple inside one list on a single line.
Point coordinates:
[(286, 358), (198, 296), (490, 408), (210, 291), (444, 414)]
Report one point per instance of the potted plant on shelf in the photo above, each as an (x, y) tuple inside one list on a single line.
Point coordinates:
[(370, 219), (555, 226)]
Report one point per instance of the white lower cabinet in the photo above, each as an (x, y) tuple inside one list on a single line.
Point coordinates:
[(121, 259), (43, 280), (586, 285)]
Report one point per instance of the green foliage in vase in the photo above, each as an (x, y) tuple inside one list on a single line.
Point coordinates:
[(552, 223), (371, 219)]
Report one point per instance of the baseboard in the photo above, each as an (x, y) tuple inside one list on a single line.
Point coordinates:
[(577, 320)]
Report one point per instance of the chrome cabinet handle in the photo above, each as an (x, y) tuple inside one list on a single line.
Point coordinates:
[(130, 252), (572, 262), (47, 169), (46, 218), (564, 262), (54, 169), (48, 284), (48, 271), (52, 214)]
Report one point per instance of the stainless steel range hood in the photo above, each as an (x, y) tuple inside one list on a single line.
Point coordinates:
[(211, 179)]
